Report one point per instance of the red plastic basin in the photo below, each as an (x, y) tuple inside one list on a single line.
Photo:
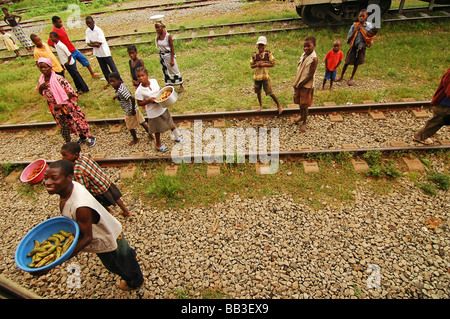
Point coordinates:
[(24, 177)]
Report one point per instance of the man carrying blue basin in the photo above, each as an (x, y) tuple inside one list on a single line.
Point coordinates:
[(100, 232)]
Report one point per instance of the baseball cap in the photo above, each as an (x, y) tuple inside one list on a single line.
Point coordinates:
[(262, 40)]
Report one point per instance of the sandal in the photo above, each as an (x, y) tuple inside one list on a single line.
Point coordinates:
[(123, 286), (179, 140), (128, 214), (427, 141), (163, 149), (133, 142), (303, 128)]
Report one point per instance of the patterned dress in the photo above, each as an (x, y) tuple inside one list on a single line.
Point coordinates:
[(74, 119), (18, 31), (172, 75)]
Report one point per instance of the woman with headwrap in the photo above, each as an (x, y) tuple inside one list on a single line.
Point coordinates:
[(167, 57), (62, 101)]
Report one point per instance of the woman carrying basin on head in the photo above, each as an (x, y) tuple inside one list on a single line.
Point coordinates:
[(167, 57)]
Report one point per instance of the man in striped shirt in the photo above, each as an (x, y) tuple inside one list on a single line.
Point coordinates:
[(88, 173)]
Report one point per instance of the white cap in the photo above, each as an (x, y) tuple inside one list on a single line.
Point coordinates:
[(262, 40), (157, 18)]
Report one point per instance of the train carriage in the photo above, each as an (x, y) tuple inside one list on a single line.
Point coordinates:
[(335, 12)]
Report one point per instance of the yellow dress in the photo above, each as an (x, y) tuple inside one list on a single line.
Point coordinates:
[(9, 43)]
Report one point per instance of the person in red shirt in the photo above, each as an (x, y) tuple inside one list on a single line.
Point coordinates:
[(441, 112), (333, 59), (64, 38)]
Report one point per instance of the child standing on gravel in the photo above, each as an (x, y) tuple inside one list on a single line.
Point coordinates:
[(304, 80), (88, 173), (333, 59), (261, 61), (134, 116), (159, 118)]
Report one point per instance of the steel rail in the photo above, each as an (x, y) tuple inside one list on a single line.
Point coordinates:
[(173, 30), (161, 7), (221, 158), (446, 15), (188, 4), (242, 114), (12, 290)]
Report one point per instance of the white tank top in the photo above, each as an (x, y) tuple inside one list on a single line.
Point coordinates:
[(105, 232), (163, 45)]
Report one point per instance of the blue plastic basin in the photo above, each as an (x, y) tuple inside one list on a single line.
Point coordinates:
[(41, 233)]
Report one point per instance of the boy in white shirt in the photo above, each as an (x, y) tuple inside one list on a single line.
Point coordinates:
[(95, 38), (66, 59)]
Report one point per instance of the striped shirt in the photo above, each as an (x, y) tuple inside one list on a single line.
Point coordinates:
[(124, 97), (89, 174)]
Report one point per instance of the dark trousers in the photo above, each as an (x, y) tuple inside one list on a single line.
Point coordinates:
[(107, 65), (77, 78), (441, 117), (122, 262)]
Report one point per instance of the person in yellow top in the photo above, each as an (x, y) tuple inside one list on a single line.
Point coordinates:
[(261, 61), (43, 50)]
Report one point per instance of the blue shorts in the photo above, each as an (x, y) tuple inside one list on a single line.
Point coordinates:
[(330, 75), (77, 55)]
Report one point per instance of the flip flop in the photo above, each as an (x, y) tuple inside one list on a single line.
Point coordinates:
[(179, 140), (163, 148), (427, 141)]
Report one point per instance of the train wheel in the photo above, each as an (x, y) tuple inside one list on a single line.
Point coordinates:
[(315, 15)]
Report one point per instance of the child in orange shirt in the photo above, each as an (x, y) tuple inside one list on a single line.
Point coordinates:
[(333, 59)]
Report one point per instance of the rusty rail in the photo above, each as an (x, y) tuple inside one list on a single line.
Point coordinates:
[(210, 116)]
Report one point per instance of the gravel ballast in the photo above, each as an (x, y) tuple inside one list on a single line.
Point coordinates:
[(269, 247)]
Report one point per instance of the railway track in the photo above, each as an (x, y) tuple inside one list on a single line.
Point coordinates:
[(160, 7), (211, 116), (288, 112), (245, 28)]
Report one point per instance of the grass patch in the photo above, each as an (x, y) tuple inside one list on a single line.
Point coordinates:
[(381, 167), (7, 168), (30, 191), (335, 184), (217, 73), (432, 182), (192, 188)]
